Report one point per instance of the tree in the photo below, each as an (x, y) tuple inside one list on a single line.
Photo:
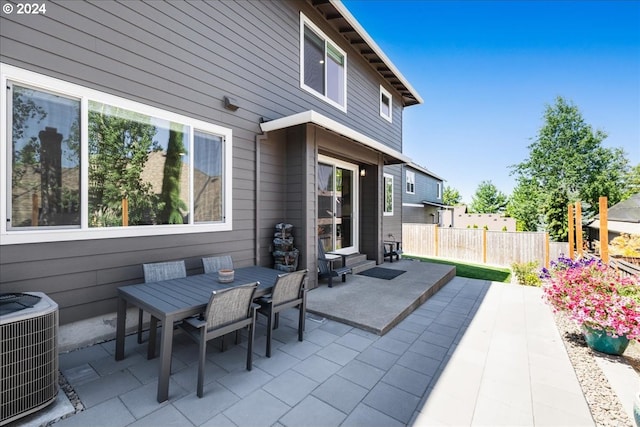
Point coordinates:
[(119, 147), (523, 206), (173, 205), (451, 196), (488, 199), (632, 182), (568, 163)]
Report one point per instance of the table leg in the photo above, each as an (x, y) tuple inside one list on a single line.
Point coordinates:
[(166, 343), (121, 325)]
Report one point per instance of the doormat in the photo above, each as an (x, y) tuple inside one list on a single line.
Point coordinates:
[(382, 273)]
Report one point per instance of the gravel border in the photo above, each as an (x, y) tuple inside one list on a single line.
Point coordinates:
[(603, 402)]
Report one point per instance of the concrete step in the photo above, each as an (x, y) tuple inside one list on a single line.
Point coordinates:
[(354, 259), (362, 265)]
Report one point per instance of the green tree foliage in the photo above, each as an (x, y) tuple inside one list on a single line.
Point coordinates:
[(632, 182), (568, 163), (172, 204), (523, 206), (451, 196), (119, 147), (488, 199)]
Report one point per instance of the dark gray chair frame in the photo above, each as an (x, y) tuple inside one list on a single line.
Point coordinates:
[(392, 249), (156, 272), (288, 291), (228, 310), (214, 263), (325, 267)]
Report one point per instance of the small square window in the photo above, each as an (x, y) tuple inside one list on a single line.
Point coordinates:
[(411, 183), (386, 110)]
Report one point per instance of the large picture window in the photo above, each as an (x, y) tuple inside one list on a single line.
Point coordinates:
[(100, 166), (323, 65)]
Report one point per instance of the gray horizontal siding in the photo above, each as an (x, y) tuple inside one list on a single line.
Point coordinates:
[(182, 57), (426, 187)]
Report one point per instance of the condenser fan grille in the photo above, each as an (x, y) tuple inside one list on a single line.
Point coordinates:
[(28, 361)]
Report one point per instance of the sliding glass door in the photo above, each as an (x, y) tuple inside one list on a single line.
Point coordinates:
[(337, 205)]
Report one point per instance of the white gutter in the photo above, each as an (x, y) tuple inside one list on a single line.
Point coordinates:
[(311, 116)]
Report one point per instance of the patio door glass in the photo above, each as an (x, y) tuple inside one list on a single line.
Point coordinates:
[(337, 205)]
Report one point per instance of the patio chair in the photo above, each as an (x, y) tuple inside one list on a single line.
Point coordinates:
[(228, 310), (288, 292), (156, 272), (325, 267), (214, 263)]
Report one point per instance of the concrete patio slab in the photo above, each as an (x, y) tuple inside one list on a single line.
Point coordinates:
[(377, 305)]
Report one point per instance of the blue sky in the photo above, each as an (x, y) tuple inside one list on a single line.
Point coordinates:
[(487, 71)]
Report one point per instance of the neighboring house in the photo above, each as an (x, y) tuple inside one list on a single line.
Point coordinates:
[(622, 218), (492, 222), (421, 192), (249, 113)]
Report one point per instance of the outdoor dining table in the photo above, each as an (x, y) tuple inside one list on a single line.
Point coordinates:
[(172, 300)]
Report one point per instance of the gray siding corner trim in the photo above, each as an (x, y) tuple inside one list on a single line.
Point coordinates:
[(311, 116)]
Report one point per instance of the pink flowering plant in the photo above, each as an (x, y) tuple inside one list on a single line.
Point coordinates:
[(594, 295)]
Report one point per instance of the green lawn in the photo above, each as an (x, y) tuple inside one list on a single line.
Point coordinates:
[(473, 271)]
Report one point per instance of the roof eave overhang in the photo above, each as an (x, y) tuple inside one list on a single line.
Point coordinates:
[(438, 205), (391, 156), (425, 171), (339, 17)]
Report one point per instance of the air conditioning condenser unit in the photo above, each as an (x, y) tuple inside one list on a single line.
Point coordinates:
[(28, 354)]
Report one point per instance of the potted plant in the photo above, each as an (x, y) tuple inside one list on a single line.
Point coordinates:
[(602, 301)]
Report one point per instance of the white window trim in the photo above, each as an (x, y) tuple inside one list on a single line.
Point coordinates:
[(305, 21), (384, 205), (386, 93), (410, 179), (31, 79), (439, 190)]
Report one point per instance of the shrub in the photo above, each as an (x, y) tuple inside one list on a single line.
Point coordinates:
[(526, 273)]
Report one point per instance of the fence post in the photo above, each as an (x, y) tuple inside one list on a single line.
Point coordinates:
[(546, 250), (484, 245), (570, 222), (435, 239), (579, 228), (604, 230)]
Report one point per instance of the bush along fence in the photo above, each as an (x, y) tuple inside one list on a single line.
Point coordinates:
[(480, 246)]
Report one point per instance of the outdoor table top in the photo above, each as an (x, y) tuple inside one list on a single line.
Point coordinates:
[(177, 299)]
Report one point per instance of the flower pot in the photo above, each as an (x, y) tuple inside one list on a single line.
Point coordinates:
[(225, 276), (636, 409), (598, 340)]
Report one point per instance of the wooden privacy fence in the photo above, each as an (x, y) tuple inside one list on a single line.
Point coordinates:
[(480, 246)]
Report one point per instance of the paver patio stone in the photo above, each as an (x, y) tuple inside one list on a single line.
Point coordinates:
[(311, 412), (392, 401), (167, 416), (377, 357), (365, 415), (361, 373), (317, 368), (113, 410), (290, 387), (257, 409), (340, 393)]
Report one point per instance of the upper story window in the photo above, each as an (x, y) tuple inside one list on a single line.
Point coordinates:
[(439, 189), (388, 194), (323, 65), (82, 164), (411, 182), (385, 104)]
